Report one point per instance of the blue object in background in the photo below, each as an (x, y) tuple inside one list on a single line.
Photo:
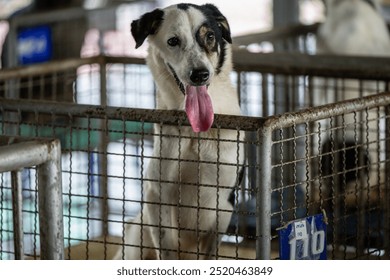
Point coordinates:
[(34, 45), (303, 239)]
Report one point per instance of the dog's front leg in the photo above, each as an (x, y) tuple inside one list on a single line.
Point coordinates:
[(161, 232)]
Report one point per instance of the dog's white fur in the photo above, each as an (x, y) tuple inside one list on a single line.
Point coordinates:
[(188, 181)]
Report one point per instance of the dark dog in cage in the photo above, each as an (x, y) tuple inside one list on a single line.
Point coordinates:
[(344, 166), (193, 169)]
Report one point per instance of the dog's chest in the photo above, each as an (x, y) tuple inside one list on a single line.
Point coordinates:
[(182, 144)]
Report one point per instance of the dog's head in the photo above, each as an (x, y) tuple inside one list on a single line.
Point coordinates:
[(332, 4), (192, 43)]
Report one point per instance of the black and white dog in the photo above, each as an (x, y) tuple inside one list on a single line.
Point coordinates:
[(189, 178)]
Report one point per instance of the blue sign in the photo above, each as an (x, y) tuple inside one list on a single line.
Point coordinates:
[(303, 239), (34, 45)]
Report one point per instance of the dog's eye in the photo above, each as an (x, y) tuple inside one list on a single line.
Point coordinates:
[(173, 42), (210, 36)]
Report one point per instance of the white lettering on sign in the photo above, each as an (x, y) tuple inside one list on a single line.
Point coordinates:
[(300, 230), (304, 243), (31, 46)]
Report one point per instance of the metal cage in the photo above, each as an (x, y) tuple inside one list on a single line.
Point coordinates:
[(298, 155)]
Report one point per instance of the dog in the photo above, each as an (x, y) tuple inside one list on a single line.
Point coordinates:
[(190, 175), (352, 28)]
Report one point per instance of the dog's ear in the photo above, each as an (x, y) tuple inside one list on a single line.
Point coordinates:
[(222, 22), (147, 25)]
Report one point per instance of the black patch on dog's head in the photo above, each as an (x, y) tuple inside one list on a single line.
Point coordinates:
[(218, 22), (213, 15), (206, 38), (212, 12), (222, 57), (184, 6), (147, 25)]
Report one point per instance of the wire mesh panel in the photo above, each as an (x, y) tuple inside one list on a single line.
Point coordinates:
[(105, 186), (347, 179), (29, 216), (271, 84), (355, 206), (98, 81)]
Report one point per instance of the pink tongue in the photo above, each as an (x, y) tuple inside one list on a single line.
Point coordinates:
[(199, 108)]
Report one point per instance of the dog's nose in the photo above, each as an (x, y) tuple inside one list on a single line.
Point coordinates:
[(199, 76)]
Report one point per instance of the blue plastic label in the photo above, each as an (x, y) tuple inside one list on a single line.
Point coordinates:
[(34, 45), (303, 239)]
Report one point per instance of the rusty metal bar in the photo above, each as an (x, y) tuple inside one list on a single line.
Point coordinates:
[(17, 202), (128, 114), (330, 110), (175, 117), (50, 204), (386, 196), (103, 157), (263, 196)]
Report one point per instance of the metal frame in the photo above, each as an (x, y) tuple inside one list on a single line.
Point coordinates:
[(265, 154), (263, 126), (19, 153)]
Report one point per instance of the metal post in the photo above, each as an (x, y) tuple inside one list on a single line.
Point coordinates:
[(50, 205), (386, 210), (46, 155), (103, 159), (286, 13), (17, 202), (263, 199)]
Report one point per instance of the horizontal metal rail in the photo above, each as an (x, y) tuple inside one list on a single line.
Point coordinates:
[(64, 65), (276, 35), (327, 111), (369, 68), (128, 114), (179, 117), (295, 64)]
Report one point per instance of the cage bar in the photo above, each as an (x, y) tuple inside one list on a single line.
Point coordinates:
[(46, 154)]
